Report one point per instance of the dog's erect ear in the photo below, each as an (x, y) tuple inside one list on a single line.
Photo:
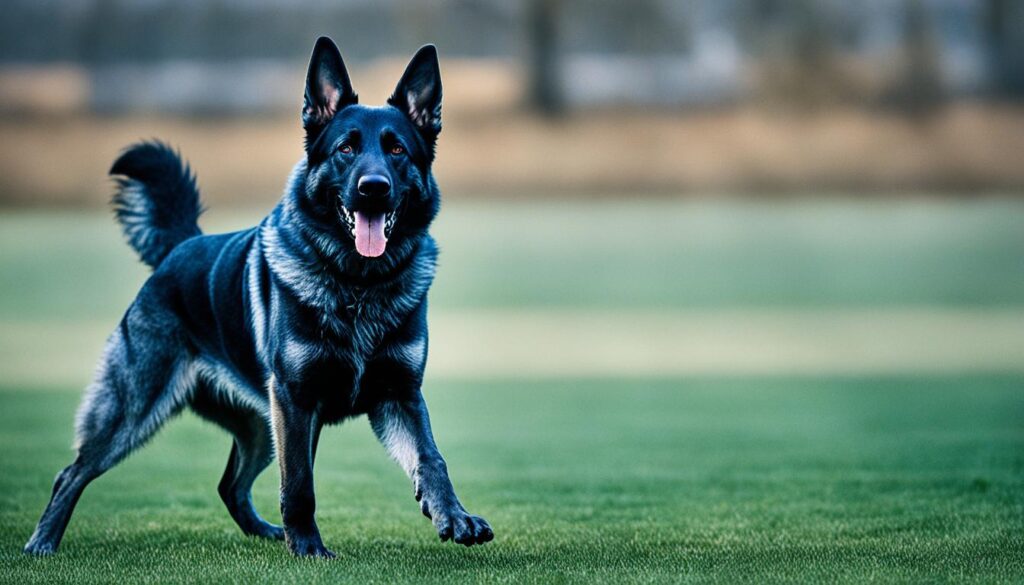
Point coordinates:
[(418, 93), (328, 88)]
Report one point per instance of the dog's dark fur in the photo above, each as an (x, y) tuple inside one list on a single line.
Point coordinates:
[(275, 331)]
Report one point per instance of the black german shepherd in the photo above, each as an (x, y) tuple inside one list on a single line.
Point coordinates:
[(314, 316)]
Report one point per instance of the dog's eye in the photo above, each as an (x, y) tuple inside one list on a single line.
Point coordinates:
[(345, 149), (397, 149)]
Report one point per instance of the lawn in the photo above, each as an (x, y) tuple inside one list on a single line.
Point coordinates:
[(912, 473), (893, 479)]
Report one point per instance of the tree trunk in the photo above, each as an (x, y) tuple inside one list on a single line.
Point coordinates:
[(545, 88), (1006, 46)]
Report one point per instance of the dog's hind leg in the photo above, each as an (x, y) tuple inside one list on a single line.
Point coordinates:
[(245, 463), (136, 390), (251, 453)]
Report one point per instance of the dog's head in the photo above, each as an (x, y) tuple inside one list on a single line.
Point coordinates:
[(368, 168)]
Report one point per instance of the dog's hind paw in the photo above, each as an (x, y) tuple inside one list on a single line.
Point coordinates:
[(266, 530)]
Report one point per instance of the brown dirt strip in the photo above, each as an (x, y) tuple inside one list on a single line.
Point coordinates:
[(597, 343)]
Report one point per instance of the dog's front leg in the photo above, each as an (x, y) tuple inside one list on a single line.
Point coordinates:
[(403, 426), (295, 428)]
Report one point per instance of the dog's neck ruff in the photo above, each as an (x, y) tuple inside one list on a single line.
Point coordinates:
[(322, 272)]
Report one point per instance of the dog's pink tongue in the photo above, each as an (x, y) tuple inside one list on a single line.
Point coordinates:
[(370, 240)]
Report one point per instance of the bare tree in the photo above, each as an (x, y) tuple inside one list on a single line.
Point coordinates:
[(1006, 46), (920, 86), (545, 89), (795, 43)]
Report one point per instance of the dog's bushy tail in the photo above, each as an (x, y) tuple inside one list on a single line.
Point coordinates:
[(157, 201)]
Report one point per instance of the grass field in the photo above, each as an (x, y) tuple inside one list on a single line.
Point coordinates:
[(905, 469), (892, 479)]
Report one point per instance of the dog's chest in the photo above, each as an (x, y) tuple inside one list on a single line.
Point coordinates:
[(330, 364), (324, 334), (362, 320), (351, 325)]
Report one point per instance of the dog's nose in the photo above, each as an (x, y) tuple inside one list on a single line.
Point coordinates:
[(374, 185)]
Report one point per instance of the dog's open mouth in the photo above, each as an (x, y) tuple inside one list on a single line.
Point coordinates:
[(370, 230)]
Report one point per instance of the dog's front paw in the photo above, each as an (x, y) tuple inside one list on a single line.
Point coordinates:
[(433, 490), (456, 524), (308, 546), (39, 548)]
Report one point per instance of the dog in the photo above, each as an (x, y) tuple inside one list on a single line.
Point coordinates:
[(316, 315)]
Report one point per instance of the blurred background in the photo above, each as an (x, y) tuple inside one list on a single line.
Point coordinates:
[(673, 159), (723, 283), (567, 97)]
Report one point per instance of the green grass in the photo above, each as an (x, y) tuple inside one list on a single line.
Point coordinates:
[(854, 478), (890, 479)]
